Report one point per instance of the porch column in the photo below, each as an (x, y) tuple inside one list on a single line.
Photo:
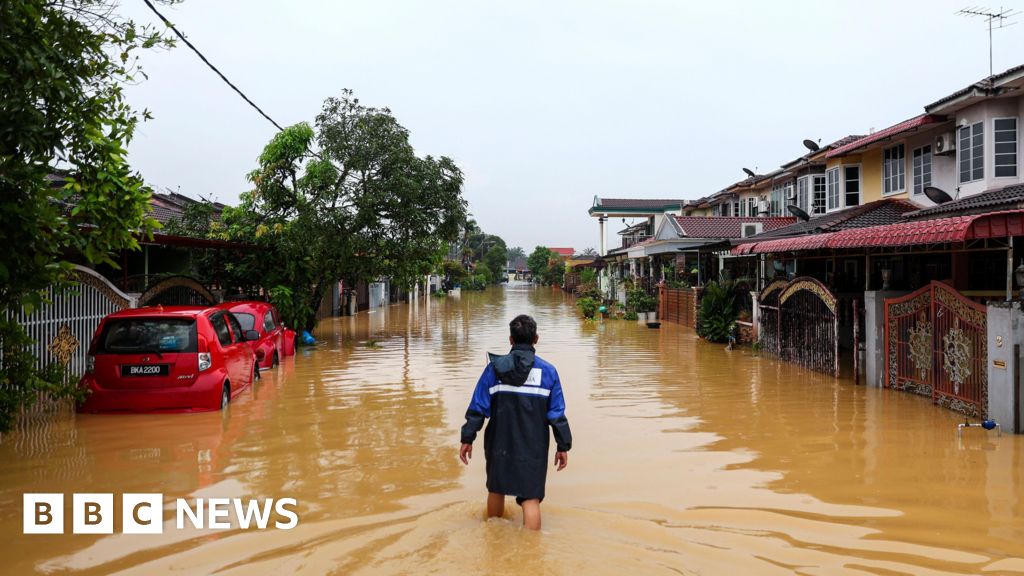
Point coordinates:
[(604, 240), (1009, 270)]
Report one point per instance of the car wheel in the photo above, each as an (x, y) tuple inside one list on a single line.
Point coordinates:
[(225, 396), (275, 361)]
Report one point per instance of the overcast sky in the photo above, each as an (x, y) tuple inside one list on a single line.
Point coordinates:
[(546, 104)]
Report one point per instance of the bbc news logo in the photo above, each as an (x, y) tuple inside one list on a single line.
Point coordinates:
[(144, 513)]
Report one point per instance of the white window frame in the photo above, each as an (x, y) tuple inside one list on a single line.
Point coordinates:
[(833, 189), (1016, 148), (736, 206), (972, 166), (894, 171), (752, 206), (803, 189), (782, 192), (917, 169), (823, 207)]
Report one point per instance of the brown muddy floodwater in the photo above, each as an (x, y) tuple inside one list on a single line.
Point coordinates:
[(688, 459)]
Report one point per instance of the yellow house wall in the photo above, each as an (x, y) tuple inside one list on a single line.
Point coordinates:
[(871, 173)]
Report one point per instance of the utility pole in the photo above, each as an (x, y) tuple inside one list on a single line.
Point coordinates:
[(998, 18)]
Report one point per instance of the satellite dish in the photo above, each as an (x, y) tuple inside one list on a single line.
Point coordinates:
[(811, 145), (937, 195), (798, 212), (749, 172)]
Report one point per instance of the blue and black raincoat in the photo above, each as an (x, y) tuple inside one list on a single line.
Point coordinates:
[(522, 397)]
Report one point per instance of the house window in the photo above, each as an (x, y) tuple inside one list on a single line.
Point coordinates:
[(832, 177), (851, 185), (922, 168), (971, 150), (802, 192), (780, 196), (818, 201), (893, 170), (752, 206), (736, 209), (1005, 133)]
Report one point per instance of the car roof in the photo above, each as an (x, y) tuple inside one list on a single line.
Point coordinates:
[(151, 311), (250, 306)]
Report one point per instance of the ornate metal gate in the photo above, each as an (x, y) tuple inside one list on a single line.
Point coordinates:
[(936, 345), (798, 323), (63, 327), (177, 290), (768, 316)]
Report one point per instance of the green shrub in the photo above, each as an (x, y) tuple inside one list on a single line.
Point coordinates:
[(717, 316), (639, 301), (589, 290), (588, 275), (631, 316), (588, 307), (476, 282)]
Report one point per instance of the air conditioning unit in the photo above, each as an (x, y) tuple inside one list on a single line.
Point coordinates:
[(945, 143), (750, 229), (762, 207)]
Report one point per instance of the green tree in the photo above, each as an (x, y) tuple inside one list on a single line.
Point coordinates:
[(538, 262), (363, 207), (515, 253), (62, 109), (496, 263)]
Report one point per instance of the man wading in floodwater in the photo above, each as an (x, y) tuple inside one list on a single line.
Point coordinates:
[(522, 396)]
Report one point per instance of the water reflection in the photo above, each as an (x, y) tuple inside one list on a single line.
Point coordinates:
[(688, 459)]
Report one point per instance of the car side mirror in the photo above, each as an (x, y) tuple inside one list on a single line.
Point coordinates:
[(251, 335)]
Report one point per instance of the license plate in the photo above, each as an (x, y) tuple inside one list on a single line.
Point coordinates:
[(145, 369)]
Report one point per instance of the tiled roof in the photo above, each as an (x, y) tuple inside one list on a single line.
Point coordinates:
[(905, 126), (567, 252), (879, 212), (1008, 197), (726, 226), (638, 203), (844, 141), (982, 85), (955, 229)]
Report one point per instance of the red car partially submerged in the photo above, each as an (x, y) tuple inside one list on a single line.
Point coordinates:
[(168, 359), (274, 342)]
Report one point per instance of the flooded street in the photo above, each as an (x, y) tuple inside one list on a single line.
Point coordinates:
[(687, 459)]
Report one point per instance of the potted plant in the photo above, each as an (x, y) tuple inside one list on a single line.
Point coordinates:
[(643, 304)]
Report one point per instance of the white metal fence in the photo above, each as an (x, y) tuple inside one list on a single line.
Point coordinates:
[(62, 327)]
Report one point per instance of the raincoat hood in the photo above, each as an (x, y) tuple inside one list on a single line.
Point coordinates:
[(514, 368)]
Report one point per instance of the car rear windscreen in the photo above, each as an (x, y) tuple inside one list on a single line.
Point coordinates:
[(140, 335), (248, 321)]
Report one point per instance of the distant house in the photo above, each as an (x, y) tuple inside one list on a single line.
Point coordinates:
[(563, 252)]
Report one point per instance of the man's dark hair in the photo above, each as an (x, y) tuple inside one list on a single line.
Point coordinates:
[(523, 329)]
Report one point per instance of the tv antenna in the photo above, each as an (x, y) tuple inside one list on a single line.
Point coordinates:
[(995, 21)]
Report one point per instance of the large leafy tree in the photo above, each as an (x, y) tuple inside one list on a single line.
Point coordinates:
[(496, 262), (363, 206), (62, 68), (515, 253), (539, 262)]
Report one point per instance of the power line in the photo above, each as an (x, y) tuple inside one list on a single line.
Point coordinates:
[(211, 66)]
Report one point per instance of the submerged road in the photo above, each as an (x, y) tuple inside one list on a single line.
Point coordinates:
[(687, 459)]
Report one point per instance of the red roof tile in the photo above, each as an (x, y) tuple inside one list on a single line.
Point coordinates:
[(956, 229), (726, 226), (562, 251), (904, 126)]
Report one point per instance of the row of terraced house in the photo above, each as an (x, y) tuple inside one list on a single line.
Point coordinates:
[(888, 256)]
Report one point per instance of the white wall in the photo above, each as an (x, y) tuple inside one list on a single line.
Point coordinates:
[(986, 112)]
